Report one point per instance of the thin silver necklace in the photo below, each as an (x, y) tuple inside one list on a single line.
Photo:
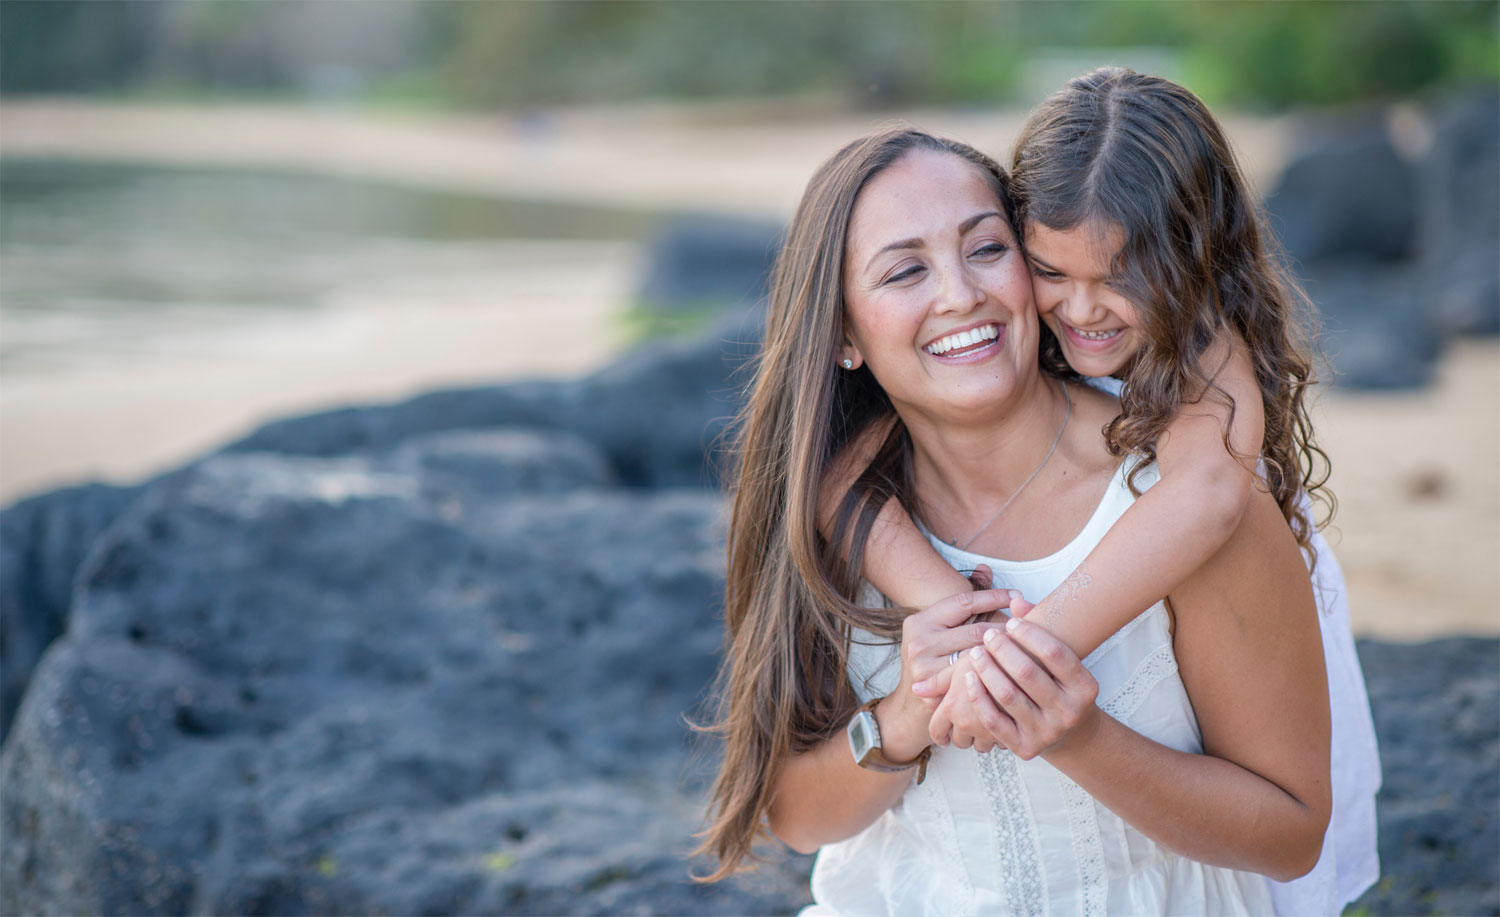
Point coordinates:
[(1067, 413)]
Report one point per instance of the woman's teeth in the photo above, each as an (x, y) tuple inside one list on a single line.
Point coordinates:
[(1095, 335), (963, 339)]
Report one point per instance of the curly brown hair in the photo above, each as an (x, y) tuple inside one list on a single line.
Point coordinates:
[(1118, 148)]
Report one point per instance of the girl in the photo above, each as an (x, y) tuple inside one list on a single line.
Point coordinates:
[(1151, 266)]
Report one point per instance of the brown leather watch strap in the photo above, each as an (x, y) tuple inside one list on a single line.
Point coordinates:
[(876, 759)]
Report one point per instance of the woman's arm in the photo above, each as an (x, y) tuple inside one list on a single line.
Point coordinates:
[(1249, 654), (822, 795), (1176, 525), (898, 559)]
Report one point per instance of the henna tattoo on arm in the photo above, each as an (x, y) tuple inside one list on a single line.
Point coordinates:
[(1069, 590)]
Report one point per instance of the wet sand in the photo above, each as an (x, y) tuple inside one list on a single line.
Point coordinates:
[(1417, 474), (1417, 477)]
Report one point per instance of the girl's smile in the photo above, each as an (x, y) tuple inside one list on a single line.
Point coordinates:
[(1071, 271)]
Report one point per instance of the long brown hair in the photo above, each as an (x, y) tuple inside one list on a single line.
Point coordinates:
[(789, 600), (1115, 147)]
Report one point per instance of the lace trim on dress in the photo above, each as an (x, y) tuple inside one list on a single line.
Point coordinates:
[(1161, 663), (1088, 848), (1018, 859), (952, 853), (1115, 639)]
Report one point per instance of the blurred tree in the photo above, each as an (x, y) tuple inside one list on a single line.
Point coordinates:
[(517, 54), (51, 46)]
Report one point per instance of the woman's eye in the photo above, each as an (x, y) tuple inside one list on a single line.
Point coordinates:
[(906, 274), (989, 251)]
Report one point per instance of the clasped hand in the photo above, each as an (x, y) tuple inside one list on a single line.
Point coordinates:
[(1020, 688)]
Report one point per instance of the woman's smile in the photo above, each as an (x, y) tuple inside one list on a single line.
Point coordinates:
[(969, 345)]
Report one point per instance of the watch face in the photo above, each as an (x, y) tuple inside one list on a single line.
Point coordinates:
[(863, 735)]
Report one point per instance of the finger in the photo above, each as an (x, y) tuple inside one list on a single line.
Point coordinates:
[(961, 739), (1025, 672), (996, 722), (957, 639), (965, 737), (1006, 694), (960, 607), (1019, 607), (1063, 664), (936, 684), (982, 577), (940, 724)]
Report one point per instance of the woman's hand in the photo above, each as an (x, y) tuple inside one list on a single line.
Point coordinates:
[(1024, 690), (929, 638), (956, 721)]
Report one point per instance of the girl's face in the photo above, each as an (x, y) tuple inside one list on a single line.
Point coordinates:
[(1097, 327), (937, 301)]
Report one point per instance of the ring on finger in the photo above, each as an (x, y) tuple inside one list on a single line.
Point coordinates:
[(953, 657)]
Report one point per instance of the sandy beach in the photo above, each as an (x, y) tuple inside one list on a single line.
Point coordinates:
[(1417, 473)]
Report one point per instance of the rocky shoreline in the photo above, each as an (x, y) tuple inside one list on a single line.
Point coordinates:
[(440, 656), (464, 689)]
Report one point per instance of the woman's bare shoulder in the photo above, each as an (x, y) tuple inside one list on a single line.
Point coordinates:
[(1259, 574)]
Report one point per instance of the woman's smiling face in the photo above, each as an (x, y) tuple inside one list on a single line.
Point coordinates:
[(937, 301)]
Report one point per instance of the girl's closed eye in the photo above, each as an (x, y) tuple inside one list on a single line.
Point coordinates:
[(1049, 276)]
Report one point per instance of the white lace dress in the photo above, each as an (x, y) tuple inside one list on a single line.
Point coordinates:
[(992, 834)]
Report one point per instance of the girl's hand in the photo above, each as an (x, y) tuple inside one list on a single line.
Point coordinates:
[(1030, 692), (933, 681), (956, 721), (928, 640)]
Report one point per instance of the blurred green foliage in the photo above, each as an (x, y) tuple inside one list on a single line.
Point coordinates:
[(515, 54)]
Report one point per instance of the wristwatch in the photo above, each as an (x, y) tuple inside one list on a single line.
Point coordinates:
[(864, 742)]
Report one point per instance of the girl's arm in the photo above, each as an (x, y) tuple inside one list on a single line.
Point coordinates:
[(1179, 523), (1251, 658), (898, 559)]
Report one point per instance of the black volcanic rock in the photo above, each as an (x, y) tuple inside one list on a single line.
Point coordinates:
[(289, 680), (1346, 193), (1437, 715), (42, 542), (703, 260), (655, 412), (1376, 331), (1460, 224)]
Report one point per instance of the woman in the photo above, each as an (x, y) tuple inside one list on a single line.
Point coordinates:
[(900, 243)]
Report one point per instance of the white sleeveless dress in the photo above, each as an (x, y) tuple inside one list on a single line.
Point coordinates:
[(992, 834), (1350, 862)]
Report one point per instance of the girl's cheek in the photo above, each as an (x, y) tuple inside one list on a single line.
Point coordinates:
[(1046, 300)]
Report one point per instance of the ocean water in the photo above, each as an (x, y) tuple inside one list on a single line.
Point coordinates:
[(113, 264)]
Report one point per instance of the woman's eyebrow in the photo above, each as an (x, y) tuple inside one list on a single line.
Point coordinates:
[(894, 246), (978, 218), (963, 227)]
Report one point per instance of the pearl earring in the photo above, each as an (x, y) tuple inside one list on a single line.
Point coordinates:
[(848, 363)]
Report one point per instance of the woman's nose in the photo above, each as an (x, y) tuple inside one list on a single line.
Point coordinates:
[(960, 291)]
